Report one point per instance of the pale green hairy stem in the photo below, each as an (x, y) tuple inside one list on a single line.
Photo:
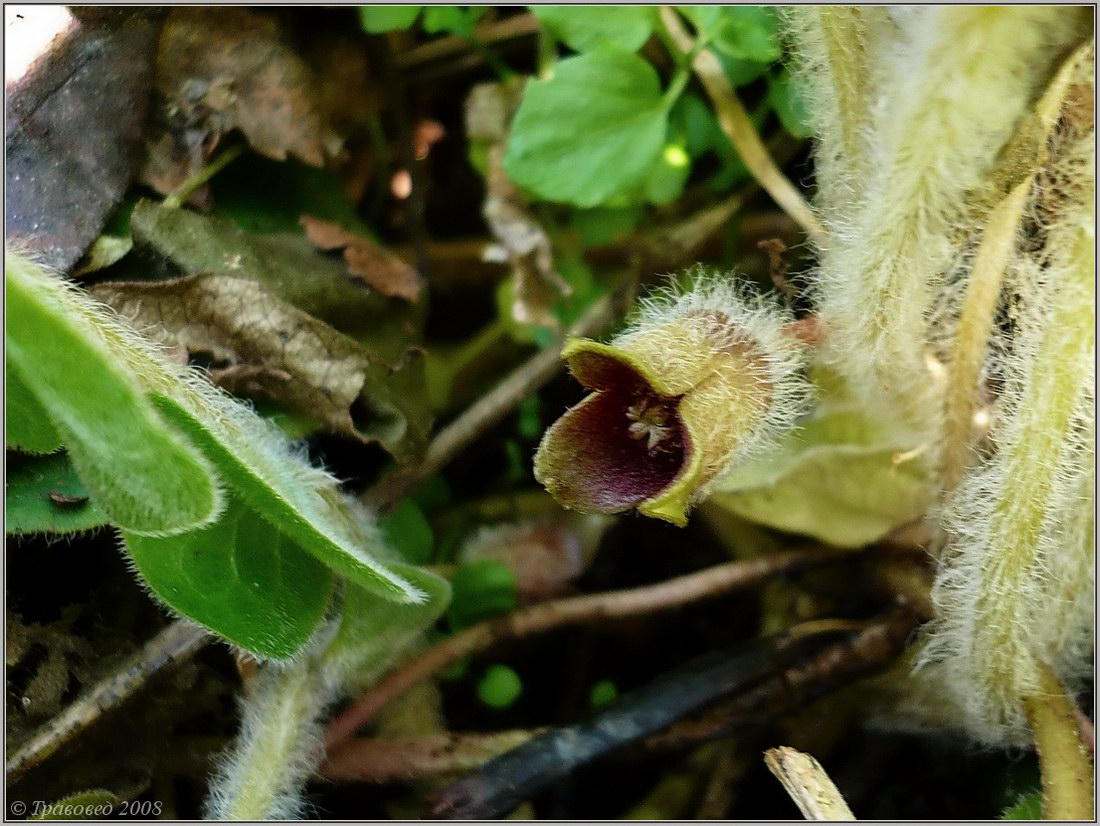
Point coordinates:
[(1048, 408), (986, 276), (1016, 584), (835, 59), (958, 79), (279, 733), (280, 744)]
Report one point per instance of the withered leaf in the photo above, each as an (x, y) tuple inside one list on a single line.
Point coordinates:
[(289, 265), (261, 346), (378, 267), (74, 128), (521, 240), (228, 68)]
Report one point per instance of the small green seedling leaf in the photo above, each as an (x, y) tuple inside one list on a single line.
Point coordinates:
[(407, 531), (482, 589), (592, 131), (373, 633), (141, 472), (27, 426), (583, 28), (45, 495), (240, 578), (500, 687), (602, 693), (381, 19)]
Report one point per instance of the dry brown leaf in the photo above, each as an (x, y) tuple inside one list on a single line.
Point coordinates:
[(261, 346), (224, 68), (378, 267), (521, 240)]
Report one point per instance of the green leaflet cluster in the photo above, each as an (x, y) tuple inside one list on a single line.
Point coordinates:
[(223, 522), (597, 130)]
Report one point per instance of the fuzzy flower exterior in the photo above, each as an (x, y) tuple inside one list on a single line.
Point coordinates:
[(699, 381)]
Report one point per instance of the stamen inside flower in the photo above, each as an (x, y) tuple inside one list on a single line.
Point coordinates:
[(651, 420)]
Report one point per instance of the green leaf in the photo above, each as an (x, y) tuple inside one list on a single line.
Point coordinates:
[(30, 506), (144, 476), (373, 633), (1029, 807), (592, 131), (499, 687), (27, 426), (602, 693), (482, 589), (407, 531), (606, 224), (742, 72), (666, 183), (789, 105), (240, 578), (380, 19), (458, 20), (298, 499), (583, 28), (748, 33)]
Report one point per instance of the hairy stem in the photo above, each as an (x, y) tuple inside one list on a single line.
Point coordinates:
[(1066, 768), (273, 756)]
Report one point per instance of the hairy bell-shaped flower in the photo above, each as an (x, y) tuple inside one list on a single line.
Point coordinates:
[(700, 380)]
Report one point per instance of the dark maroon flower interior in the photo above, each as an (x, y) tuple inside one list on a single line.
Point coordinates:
[(594, 460)]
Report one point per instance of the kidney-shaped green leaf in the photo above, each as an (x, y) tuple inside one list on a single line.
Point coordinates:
[(592, 131), (240, 578)]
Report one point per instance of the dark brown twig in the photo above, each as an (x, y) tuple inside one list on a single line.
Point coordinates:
[(503, 783)]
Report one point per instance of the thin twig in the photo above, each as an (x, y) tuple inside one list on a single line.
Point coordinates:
[(516, 26), (811, 789), (487, 411), (180, 194), (865, 652), (175, 643), (738, 126), (381, 760), (709, 582)]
